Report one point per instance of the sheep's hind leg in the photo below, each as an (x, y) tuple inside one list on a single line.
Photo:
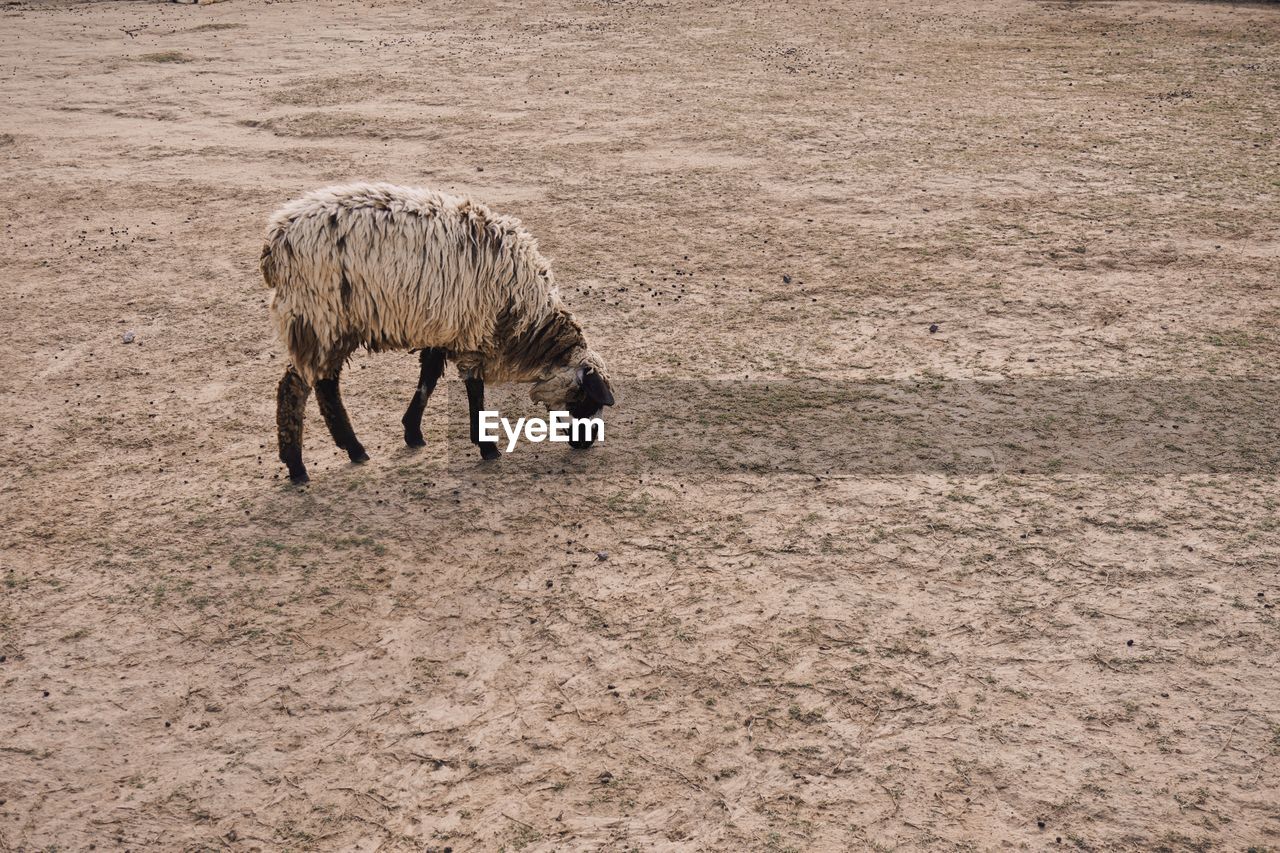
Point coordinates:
[(335, 417), (432, 367), (475, 401), (291, 408)]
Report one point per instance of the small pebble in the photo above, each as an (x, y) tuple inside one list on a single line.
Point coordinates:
[(1128, 642), (602, 555), (933, 328), (786, 279), (129, 337)]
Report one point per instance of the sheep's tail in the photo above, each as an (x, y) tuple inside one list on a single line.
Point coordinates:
[(296, 333), (267, 263)]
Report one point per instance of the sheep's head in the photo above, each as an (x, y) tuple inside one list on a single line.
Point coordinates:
[(581, 388)]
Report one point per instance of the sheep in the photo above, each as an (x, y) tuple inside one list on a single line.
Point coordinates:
[(399, 268)]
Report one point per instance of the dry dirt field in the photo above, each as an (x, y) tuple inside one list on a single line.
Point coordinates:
[(684, 639)]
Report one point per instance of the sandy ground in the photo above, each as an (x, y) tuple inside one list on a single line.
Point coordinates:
[(662, 644)]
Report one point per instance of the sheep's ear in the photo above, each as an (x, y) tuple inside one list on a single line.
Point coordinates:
[(595, 386)]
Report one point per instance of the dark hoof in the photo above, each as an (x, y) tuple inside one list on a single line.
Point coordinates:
[(415, 439), (580, 445), (488, 451), (357, 454), (292, 459)]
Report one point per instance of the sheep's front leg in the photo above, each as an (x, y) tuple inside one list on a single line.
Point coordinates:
[(432, 367), (475, 401), (291, 408)]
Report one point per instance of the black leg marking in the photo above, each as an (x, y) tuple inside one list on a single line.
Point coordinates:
[(432, 367), (291, 408), (335, 417), (475, 401)]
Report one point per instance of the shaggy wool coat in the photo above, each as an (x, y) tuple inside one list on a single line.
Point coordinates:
[(388, 267)]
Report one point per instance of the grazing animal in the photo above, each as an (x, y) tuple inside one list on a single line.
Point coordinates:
[(398, 268)]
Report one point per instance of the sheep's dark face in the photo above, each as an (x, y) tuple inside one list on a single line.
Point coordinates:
[(580, 390)]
